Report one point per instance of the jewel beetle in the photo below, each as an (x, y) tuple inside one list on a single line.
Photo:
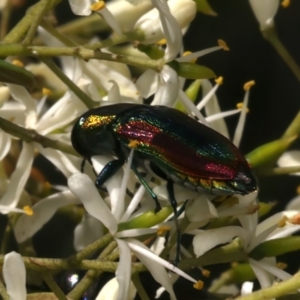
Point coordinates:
[(168, 143)]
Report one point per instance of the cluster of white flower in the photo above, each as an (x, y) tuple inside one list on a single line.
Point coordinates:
[(156, 19)]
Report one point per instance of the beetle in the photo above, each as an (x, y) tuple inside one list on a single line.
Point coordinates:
[(167, 142)]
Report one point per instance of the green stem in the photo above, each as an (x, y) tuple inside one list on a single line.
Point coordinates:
[(280, 289), (294, 128), (53, 286), (4, 20), (81, 52), (140, 288), (29, 135), (3, 291), (41, 296), (92, 248), (55, 33), (65, 79), (18, 32), (41, 11), (90, 276), (271, 35)]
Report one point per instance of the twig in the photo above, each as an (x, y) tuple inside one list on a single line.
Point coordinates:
[(53, 286)]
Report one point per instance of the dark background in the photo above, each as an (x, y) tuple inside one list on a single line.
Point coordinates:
[(274, 100)]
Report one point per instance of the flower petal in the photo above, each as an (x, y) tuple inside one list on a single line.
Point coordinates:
[(83, 187), (290, 159), (208, 239), (5, 143), (19, 177), (43, 211), (80, 7), (14, 274), (87, 231)]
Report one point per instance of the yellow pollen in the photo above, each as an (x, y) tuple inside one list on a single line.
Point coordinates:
[(219, 80), (282, 222), (162, 42), (46, 92), (163, 229), (28, 210), (281, 265), (205, 273), (17, 63), (186, 53), (240, 106), (223, 44), (285, 3), (248, 85), (198, 285), (97, 6), (295, 219), (298, 190), (133, 144)]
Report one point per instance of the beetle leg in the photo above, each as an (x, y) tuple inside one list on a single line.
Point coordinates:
[(170, 189), (148, 188), (109, 170)]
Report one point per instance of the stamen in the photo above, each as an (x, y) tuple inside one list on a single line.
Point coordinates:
[(46, 92), (162, 42), (240, 106), (97, 6), (18, 63), (295, 219), (209, 95), (248, 85), (282, 222), (28, 210), (198, 285), (186, 53), (298, 190), (281, 265), (223, 44), (205, 273), (285, 3), (163, 229)]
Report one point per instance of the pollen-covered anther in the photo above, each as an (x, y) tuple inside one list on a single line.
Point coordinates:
[(46, 92), (17, 63), (133, 144), (97, 6), (285, 3), (295, 219), (219, 80), (282, 222), (47, 185), (281, 265), (205, 273), (198, 285), (162, 42), (223, 44), (163, 229), (240, 106), (248, 85), (28, 210), (186, 53)]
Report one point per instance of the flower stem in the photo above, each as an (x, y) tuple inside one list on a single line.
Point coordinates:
[(139, 286), (18, 32), (65, 79), (294, 127), (277, 290), (271, 35), (41, 11), (28, 135), (53, 286)]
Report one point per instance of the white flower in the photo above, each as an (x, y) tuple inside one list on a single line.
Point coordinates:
[(14, 274), (290, 159), (81, 186), (265, 11), (252, 235)]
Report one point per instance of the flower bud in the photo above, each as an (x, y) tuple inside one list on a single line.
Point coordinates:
[(183, 11)]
